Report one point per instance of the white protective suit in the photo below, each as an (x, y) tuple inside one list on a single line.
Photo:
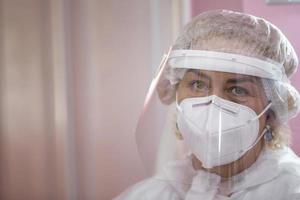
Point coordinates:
[(274, 176)]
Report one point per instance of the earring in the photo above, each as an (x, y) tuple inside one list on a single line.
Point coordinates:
[(268, 134)]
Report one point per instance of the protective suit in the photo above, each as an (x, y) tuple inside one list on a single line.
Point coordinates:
[(275, 175), (214, 122)]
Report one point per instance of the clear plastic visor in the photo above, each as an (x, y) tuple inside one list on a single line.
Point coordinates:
[(210, 112)]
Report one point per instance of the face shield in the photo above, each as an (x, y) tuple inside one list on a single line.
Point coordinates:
[(210, 112)]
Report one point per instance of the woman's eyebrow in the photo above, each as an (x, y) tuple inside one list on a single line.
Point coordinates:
[(200, 74), (242, 80)]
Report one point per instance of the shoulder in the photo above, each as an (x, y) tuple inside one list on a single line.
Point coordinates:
[(290, 172), (149, 189), (286, 185), (289, 163), (287, 166)]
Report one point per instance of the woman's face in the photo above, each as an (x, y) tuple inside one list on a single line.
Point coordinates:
[(241, 89)]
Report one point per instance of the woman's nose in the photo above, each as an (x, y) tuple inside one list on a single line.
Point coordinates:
[(218, 91)]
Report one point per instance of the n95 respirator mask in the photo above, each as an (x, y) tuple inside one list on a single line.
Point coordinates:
[(216, 130)]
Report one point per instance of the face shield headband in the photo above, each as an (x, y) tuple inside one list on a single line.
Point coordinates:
[(226, 62)]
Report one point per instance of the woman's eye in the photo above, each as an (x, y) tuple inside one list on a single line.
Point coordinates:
[(238, 91), (199, 85)]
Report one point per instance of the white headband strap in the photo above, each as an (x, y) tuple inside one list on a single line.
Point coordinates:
[(226, 62)]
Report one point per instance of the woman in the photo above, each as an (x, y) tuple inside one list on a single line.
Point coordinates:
[(228, 98)]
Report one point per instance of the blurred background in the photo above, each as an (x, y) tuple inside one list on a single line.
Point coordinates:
[(73, 77)]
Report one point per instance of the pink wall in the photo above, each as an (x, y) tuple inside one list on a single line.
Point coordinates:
[(285, 16), (199, 6)]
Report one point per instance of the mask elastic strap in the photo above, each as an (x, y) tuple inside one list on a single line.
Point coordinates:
[(267, 128), (263, 111), (257, 140)]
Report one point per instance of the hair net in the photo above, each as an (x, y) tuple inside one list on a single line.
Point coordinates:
[(239, 33)]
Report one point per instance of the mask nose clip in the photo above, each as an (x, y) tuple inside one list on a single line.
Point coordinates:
[(213, 100), (202, 104), (225, 107)]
